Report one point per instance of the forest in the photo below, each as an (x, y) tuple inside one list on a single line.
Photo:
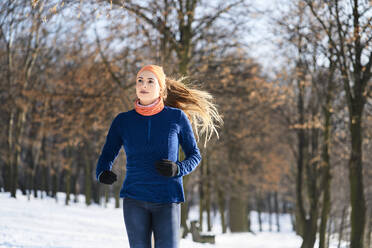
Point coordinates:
[(296, 135)]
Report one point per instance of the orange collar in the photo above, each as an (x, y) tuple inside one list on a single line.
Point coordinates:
[(152, 109)]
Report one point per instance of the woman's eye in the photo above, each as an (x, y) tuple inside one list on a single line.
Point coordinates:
[(139, 80), (150, 81)]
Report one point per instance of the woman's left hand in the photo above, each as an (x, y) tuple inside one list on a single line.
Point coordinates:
[(166, 167)]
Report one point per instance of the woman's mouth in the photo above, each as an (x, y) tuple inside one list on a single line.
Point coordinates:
[(143, 92)]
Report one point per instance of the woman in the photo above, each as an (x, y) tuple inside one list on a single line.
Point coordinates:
[(151, 133)]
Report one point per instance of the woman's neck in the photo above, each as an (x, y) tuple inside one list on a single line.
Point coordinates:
[(148, 104), (151, 109)]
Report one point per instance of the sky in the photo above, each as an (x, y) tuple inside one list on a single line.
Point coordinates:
[(260, 40)]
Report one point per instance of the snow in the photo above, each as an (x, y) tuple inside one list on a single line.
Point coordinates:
[(37, 223)]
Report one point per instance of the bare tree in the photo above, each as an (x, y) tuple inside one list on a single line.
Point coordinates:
[(351, 40)]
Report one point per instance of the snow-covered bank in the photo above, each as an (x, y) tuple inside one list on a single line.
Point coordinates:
[(47, 223)]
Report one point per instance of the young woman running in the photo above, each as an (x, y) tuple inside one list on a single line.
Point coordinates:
[(163, 116)]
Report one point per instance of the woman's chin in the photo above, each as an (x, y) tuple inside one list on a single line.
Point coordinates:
[(147, 101)]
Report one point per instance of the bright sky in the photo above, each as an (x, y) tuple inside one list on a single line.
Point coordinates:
[(260, 40)]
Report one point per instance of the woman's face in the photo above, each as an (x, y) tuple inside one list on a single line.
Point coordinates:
[(147, 87)]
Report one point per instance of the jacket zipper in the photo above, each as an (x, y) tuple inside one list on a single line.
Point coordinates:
[(148, 130)]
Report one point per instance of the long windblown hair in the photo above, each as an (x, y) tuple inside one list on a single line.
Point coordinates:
[(197, 104)]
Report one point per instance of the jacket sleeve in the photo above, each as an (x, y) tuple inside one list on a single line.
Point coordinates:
[(189, 147), (110, 149)]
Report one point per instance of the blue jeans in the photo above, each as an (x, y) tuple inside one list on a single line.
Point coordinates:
[(141, 218)]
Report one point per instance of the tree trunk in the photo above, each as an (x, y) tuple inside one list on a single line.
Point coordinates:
[(14, 180), (312, 171), (184, 205), (310, 232), (284, 211), (107, 194), (208, 192), (300, 210), (367, 237), (259, 211), (270, 211), (238, 214), (117, 195), (326, 177), (341, 230), (87, 180), (249, 217), (35, 182), (201, 210), (6, 169), (6, 176), (46, 180), (28, 179), (293, 220), (221, 207), (208, 208), (277, 214), (201, 194), (18, 134), (14, 161), (22, 182), (74, 187), (325, 210), (330, 224), (75, 183), (67, 185), (369, 233), (54, 183), (42, 181), (184, 211), (96, 192), (358, 207)]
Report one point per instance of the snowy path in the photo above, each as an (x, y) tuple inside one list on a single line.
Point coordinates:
[(46, 223)]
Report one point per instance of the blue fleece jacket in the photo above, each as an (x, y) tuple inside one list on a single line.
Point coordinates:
[(147, 139)]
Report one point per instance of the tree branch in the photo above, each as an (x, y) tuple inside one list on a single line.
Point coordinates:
[(210, 20), (108, 66), (367, 73), (159, 24)]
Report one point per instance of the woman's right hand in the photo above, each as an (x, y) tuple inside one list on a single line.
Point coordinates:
[(107, 177)]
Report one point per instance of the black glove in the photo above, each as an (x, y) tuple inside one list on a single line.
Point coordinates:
[(166, 168), (107, 177)]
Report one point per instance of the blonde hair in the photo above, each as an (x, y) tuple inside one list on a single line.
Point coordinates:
[(197, 104)]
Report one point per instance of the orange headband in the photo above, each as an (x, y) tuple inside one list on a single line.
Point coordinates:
[(157, 70)]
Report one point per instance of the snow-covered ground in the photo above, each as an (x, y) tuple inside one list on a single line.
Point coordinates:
[(46, 223)]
